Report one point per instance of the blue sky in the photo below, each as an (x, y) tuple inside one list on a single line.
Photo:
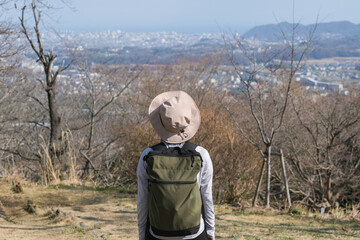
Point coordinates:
[(198, 15)]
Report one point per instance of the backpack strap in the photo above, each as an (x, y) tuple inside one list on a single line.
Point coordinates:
[(187, 149), (159, 147), (189, 146)]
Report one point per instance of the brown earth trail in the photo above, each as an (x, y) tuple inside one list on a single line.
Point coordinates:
[(67, 212)]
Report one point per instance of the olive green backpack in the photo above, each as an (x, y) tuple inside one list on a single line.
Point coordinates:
[(174, 196)]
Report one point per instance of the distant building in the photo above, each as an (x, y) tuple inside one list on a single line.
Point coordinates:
[(334, 87)]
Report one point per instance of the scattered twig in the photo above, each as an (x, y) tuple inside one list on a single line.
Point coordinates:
[(7, 218), (95, 233)]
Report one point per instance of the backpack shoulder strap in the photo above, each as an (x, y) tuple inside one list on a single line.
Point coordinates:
[(189, 146), (161, 146), (158, 147)]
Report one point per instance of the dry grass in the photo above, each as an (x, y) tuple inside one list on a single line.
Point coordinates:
[(113, 213), (259, 224)]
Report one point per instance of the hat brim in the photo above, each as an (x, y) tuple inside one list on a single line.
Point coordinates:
[(155, 120)]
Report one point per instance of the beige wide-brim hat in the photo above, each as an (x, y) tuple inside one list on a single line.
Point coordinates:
[(174, 116)]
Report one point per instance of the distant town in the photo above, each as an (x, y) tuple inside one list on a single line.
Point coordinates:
[(325, 75)]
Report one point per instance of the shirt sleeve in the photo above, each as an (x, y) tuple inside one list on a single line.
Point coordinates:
[(206, 176), (142, 197)]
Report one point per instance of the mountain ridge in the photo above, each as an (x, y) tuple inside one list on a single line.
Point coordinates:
[(336, 29)]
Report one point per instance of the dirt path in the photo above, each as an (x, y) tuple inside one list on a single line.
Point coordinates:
[(115, 221), (39, 228), (84, 213), (112, 213)]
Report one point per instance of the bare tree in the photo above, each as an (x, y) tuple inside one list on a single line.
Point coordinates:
[(8, 48), (325, 154), (49, 84), (267, 81), (105, 89)]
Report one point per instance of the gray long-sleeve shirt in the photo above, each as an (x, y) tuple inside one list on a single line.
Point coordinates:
[(204, 179)]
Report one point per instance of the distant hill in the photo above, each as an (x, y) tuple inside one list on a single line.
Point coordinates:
[(336, 47), (331, 30)]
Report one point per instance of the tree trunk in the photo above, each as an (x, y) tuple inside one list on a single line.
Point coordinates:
[(259, 184), (55, 124), (268, 162), (285, 177), (91, 130)]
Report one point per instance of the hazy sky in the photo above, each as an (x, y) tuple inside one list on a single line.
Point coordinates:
[(199, 15)]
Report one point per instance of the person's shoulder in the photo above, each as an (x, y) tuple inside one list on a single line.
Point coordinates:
[(201, 150), (205, 156)]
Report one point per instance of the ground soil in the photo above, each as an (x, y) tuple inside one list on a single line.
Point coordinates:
[(90, 212)]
